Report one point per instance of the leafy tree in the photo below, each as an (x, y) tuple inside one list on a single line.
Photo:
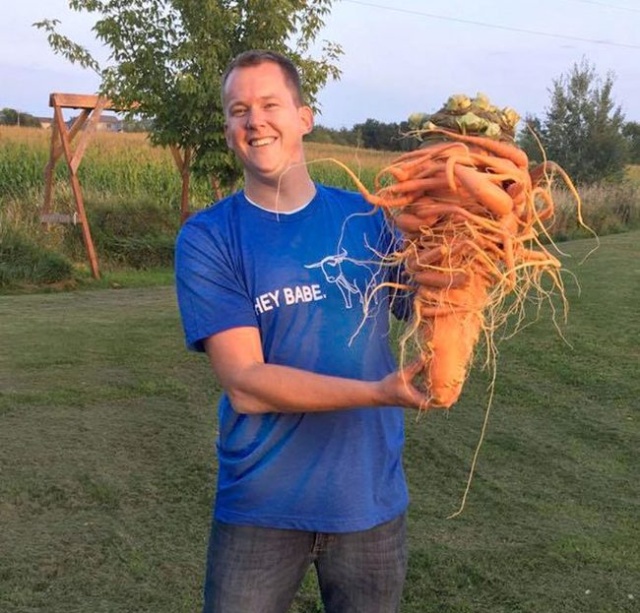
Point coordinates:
[(167, 57), (373, 134), (528, 137), (11, 117), (137, 125), (582, 129), (322, 134), (631, 131)]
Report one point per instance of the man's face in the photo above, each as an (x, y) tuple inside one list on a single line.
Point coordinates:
[(264, 125)]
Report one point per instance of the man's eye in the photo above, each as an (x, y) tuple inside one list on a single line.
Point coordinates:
[(238, 112)]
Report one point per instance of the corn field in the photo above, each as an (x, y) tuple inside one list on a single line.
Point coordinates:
[(125, 166), (132, 195)]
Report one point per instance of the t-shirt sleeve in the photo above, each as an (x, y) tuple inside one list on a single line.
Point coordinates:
[(211, 293)]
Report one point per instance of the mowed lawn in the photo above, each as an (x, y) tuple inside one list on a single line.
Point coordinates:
[(107, 428)]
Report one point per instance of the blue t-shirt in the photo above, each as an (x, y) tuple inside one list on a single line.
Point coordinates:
[(305, 280)]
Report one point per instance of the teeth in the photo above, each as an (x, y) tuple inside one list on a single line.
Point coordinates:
[(261, 142)]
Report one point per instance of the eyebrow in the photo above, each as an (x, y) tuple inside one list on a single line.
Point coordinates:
[(234, 103), (261, 98)]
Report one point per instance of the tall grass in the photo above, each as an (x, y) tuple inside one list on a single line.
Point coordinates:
[(126, 167), (115, 167), (607, 209), (132, 192)]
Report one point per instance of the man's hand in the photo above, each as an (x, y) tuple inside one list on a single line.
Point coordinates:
[(400, 388)]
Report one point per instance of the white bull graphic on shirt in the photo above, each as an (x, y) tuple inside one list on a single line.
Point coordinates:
[(348, 275)]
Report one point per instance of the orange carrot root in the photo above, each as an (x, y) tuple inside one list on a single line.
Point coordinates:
[(451, 339), (470, 212)]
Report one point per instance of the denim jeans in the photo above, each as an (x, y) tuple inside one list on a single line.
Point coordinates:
[(259, 570)]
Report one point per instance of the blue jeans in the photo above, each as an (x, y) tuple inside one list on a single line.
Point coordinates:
[(259, 570)]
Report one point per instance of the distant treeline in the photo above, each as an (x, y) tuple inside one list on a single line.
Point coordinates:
[(598, 137), (372, 134)]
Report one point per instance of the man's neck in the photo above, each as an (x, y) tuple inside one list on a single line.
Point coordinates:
[(288, 194)]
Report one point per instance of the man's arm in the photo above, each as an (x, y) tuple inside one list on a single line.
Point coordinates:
[(255, 387)]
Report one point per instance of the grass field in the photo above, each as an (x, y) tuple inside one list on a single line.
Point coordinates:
[(131, 192), (125, 167), (106, 459)]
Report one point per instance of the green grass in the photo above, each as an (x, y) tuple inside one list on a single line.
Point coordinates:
[(131, 192), (106, 459)]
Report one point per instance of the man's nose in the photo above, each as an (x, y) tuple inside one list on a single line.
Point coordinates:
[(255, 117)]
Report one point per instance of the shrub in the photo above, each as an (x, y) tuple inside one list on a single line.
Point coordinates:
[(138, 235), (24, 262), (607, 208)]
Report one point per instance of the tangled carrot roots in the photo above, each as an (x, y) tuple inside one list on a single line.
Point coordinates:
[(472, 213)]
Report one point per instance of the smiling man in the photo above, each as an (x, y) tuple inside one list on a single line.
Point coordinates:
[(265, 123), (271, 283)]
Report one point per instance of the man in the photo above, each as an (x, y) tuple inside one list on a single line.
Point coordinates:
[(272, 283)]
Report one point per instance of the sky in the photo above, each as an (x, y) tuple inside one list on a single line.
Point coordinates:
[(400, 56)]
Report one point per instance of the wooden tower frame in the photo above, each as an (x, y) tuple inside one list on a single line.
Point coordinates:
[(62, 137)]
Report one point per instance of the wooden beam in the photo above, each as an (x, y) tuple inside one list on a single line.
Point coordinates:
[(50, 168), (62, 136), (77, 191), (59, 218), (183, 162), (86, 134), (79, 101)]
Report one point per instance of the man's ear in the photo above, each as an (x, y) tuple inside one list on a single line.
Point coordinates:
[(226, 134), (306, 117)]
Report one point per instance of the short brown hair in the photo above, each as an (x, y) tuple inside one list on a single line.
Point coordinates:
[(255, 57)]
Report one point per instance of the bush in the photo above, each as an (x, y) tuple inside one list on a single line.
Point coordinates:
[(141, 253), (24, 262), (606, 209), (139, 236)]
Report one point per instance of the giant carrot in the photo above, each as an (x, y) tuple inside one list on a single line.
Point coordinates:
[(471, 213)]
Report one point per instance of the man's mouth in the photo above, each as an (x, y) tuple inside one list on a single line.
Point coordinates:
[(262, 142)]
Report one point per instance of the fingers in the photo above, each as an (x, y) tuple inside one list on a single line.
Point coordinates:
[(414, 368), (412, 396), (400, 388)]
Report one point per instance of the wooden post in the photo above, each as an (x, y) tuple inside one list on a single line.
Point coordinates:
[(49, 170), (54, 155), (61, 144), (183, 162)]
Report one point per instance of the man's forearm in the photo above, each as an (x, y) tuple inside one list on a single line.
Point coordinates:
[(266, 388)]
